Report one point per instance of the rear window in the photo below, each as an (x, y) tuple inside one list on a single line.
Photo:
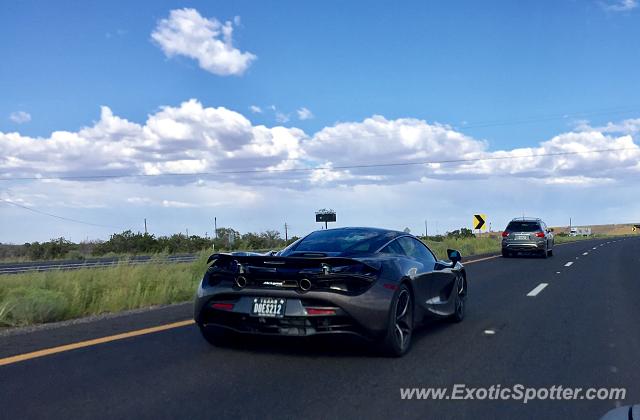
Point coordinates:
[(347, 240), (523, 226)]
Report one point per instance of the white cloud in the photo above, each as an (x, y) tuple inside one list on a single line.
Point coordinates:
[(255, 109), (282, 118), (193, 139), (185, 32), (629, 126), (620, 5), (20, 117), (304, 114), (187, 138), (177, 204)]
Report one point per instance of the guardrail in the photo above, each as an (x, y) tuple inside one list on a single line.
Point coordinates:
[(95, 264)]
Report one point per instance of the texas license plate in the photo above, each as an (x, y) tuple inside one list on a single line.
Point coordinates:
[(268, 307), (522, 237)]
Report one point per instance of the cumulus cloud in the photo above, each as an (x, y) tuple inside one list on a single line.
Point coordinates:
[(299, 172), (184, 139), (209, 41), (255, 109), (620, 5), (20, 117), (304, 114), (629, 126), (194, 139)]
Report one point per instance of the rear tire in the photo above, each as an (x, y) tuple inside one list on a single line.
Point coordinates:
[(460, 300), (397, 339), (505, 254), (216, 336), (550, 252)]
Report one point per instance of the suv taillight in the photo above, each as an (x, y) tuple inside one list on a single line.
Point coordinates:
[(540, 234), (505, 234)]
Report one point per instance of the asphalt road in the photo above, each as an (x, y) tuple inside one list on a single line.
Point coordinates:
[(581, 330)]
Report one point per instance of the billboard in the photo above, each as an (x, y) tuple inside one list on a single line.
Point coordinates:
[(325, 217)]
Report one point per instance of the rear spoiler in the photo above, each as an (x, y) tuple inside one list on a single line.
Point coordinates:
[(291, 262)]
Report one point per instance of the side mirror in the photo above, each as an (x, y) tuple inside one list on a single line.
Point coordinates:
[(454, 256)]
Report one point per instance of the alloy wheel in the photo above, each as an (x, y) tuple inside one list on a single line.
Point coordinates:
[(403, 319)]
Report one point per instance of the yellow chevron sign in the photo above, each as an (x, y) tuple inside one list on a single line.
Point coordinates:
[(634, 228), (479, 221)]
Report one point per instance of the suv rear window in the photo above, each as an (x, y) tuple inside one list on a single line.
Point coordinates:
[(524, 226)]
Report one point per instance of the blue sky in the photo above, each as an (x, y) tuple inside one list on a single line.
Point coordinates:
[(449, 62), (502, 73)]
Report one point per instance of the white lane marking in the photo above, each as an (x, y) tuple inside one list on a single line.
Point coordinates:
[(537, 289), (489, 332), (569, 264), (557, 272), (593, 247), (585, 253)]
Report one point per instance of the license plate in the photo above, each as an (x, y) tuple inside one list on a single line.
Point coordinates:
[(268, 307), (522, 237)]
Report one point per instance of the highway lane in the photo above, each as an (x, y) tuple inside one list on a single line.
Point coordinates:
[(580, 330)]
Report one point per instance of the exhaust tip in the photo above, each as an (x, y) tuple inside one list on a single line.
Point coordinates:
[(241, 281), (304, 284)]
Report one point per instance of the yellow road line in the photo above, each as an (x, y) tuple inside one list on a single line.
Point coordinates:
[(89, 343)]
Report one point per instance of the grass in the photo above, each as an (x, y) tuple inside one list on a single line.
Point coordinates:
[(34, 298), (466, 246), (40, 297)]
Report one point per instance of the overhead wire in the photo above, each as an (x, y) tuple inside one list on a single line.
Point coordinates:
[(68, 219)]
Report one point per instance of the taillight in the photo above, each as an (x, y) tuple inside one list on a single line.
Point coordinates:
[(223, 306), (320, 311), (540, 234), (505, 234)]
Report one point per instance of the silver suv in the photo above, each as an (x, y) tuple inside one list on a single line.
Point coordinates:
[(527, 235)]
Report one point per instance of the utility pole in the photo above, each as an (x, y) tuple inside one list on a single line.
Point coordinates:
[(215, 226), (286, 232), (187, 233), (145, 225), (426, 229)]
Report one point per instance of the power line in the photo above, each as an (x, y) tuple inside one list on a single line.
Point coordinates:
[(68, 219), (318, 168), (543, 118)]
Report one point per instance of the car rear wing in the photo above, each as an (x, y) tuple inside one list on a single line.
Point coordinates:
[(269, 261)]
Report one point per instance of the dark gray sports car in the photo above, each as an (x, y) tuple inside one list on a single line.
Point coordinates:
[(375, 283)]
